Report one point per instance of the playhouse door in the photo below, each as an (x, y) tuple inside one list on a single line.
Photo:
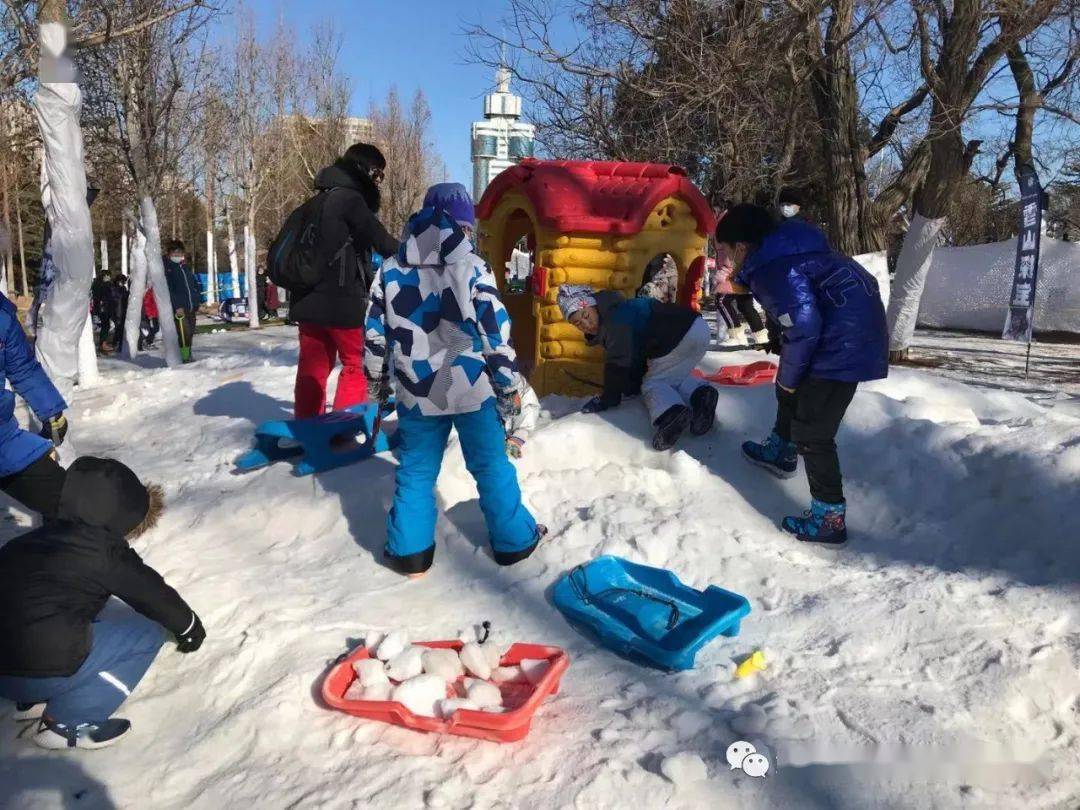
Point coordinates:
[(524, 329)]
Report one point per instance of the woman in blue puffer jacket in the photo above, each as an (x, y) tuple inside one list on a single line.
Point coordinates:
[(28, 471), (833, 337)]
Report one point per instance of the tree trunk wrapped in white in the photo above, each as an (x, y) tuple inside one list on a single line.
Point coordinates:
[(912, 267), (252, 272), (234, 262), (64, 312), (155, 269), (136, 291), (211, 269)]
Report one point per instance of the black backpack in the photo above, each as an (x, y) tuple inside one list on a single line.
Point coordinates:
[(293, 261)]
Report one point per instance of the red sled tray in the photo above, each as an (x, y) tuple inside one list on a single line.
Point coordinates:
[(522, 699), (758, 373)]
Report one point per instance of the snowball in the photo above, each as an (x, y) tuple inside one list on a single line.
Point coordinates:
[(372, 639), (508, 675), (535, 669), (444, 663), (392, 644), (485, 695), (683, 768), (475, 660), (468, 635), (377, 691), (495, 710), (370, 671), (355, 691), (492, 653), (422, 694), (406, 664), (448, 706)]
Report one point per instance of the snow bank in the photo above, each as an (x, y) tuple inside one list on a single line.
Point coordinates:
[(950, 618), (969, 287)]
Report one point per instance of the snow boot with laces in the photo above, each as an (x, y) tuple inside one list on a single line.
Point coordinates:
[(773, 454), (823, 523)]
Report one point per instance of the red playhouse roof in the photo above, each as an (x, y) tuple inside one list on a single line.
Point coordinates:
[(596, 196)]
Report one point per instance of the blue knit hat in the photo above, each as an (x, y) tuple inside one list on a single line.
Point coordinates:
[(454, 199)]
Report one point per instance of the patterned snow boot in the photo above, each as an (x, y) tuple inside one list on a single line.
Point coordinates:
[(670, 425), (774, 454), (822, 523), (54, 735)]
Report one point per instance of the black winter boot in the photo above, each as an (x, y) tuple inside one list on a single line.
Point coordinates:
[(670, 426), (703, 403)]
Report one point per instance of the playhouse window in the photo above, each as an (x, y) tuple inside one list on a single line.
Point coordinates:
[(660, 279)]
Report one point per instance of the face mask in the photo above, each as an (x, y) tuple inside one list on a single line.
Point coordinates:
[(176, 259), (789, 210)]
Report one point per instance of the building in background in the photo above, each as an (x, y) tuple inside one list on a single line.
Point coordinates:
[(502, 139)]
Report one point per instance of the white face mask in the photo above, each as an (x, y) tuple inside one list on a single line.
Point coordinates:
[(789, 210), (177, 259)]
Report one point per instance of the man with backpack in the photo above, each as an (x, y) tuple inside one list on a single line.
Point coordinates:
[(323, 257)]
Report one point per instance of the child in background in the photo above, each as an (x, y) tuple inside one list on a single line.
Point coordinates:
[(521, 426), (833, 337), (655, 345), (64, 656), (28, 470), (436, 323)]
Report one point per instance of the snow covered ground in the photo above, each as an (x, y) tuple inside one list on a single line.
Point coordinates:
[(933, 663)]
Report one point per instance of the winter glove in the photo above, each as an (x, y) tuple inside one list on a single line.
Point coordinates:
[(192, 638), (515, 447), (379, 390), (508, 404), (594, 405), (55, 429)]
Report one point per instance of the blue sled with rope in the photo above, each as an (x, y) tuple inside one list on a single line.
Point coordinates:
[(321, 443), (646, 613)]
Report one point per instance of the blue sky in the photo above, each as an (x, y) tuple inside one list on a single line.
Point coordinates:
[(409, 43)]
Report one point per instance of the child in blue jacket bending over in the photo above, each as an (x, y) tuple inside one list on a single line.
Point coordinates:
[(649, 346), (833, 338), (28, 471), (435, 321)]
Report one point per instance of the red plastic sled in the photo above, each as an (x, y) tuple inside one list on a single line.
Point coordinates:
[(522, 699), (758, 373)]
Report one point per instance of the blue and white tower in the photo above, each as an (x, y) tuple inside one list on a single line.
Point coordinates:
[(501, 140)]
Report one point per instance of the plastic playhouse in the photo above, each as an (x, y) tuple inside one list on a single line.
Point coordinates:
[(582, 222)]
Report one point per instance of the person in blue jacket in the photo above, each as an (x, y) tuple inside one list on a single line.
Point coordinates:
[(436, 326), (833, 337), (28, 471), (183, 294)]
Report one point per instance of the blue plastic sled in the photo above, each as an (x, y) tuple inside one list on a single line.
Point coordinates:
[(645, 612), (315, 451)]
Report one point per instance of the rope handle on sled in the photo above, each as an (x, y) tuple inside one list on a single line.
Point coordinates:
[(581, 590)]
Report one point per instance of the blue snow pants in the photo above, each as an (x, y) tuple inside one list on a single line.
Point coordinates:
[(124, 645), (410, 526)]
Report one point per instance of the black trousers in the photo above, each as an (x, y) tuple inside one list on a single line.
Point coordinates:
[(38, 486), (745, 303), (728, 311), (185, 328), (810, 417)]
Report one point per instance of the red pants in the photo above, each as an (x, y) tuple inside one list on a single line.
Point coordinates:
[(320, 347)]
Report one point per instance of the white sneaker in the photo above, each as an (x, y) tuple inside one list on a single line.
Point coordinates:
[(759, 338), (736, 337), (28, 711), (56, 736)]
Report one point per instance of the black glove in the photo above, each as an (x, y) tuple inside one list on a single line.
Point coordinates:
[(192, 639), (508, 404), (55, 429), (594, 405), (379, 390)]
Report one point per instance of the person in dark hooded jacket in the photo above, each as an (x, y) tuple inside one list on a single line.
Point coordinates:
[(648, 346), (331, 314), (833, 337), (65, 655)]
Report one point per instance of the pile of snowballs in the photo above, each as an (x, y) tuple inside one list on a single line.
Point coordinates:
[(436, 682)]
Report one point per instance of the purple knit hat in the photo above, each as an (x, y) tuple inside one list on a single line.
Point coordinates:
[(454, 199)]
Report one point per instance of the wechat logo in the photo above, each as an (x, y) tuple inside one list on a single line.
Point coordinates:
[(743, 756)]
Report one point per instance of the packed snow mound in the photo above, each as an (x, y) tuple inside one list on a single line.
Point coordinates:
[(946, 629), (969, 287)]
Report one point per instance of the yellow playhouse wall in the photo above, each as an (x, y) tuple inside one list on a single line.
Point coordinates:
[(563, 361)]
